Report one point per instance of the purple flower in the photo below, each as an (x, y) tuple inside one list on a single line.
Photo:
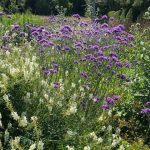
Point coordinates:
[(55, 66), (83, 104), (116, 29), (47, 44), (109, 100), (108, 66), (100, 53), (145, 111), (83, 59), (96, 20), (113, 54), (76, 16), (22, 34), (126, 64), (15, 27), (52, 71), (83, 24), (66, 36), (35, 33), (104, 17), (94, 47), (121, 26), (66, 29), (6, 48), (66, 48), (78, 45), (119, 64), (39, 30), (56, 85), (88, 56), (33, 29), (116, 97), (84, 74), (147, 103), (130, 37), (115, 59), (43, 41), (6, 37), (122, 76), (39, 38), (104, 25), (105, 107)]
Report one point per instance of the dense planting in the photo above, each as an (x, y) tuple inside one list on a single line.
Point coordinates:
[(69, 84)]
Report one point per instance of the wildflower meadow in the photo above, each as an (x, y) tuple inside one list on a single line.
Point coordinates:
[(67, 83)]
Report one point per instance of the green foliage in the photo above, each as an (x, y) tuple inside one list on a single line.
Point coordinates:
[(139, 145)]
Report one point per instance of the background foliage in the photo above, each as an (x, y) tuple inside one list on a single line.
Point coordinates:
[(123, 9)]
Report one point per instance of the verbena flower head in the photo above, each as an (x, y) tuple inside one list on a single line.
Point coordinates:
[(145, 111), (22, 34), (105, 107), (147, 103), (116, 97), (6, 37), (104, 25), (56, 85), (76, 16), (66, 29), (84, 74), (104, 17), (109, 100), (15, 27)]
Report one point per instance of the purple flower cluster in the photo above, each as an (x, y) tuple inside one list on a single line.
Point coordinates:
[(77, 16), (84, 74), (15, 27), (146, 110), (43, 36), (66, 29), (99, 47), (109, 101), (56, 85), (51, 71)]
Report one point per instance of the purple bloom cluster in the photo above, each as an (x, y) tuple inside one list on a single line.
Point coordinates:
[(148, 103), (104, 17), (56, 85), (109, 101), (66, 29), (51, 71), (84, 74), (76, 16), (15, 27), (146, 110)]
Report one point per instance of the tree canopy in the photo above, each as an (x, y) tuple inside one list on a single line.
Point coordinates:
[(126, 9)]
